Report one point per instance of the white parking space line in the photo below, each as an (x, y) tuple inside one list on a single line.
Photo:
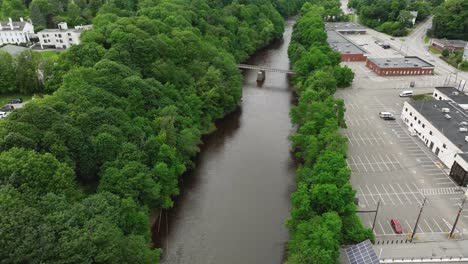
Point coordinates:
[(413, 193), (362, 195), (370, 164), (432, 231), (411, 229), (372, 195), (381, 197), (407, 197), (362, 163), (381, 227), (401, 201), (438, 226), (389, 195)]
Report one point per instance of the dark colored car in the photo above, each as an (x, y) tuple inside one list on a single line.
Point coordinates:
[(396, 226), (16, 101), (7, 108)]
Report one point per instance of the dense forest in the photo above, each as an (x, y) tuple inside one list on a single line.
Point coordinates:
[(392, 16), (83, 168), (451, 20), (323, 214)]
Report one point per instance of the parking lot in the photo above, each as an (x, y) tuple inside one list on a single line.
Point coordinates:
[(393, 167)]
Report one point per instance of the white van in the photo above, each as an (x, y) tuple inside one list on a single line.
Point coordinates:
[(406, 93), (387, 115)]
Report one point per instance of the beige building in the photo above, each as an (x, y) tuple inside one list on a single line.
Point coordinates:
[(62, 37)]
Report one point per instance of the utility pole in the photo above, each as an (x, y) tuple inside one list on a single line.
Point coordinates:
[(375, 217), (417, 220), (458, 215)]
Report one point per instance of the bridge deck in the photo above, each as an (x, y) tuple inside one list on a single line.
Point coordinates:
[(263, 68)]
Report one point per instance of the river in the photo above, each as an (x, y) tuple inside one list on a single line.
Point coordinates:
[(233, 205)]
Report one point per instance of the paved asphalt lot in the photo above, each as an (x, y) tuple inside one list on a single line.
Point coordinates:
[(391, 166)]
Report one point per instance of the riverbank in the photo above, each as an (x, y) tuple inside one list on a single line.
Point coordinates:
[(323, 213)]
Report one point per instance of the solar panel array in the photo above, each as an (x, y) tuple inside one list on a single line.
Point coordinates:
[(362, 253)]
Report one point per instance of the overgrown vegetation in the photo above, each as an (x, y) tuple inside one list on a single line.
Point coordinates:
[(323, 213), (450, 20), (392, 16), (455, 59), (128, 109)]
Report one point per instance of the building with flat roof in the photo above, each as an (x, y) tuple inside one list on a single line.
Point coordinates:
[(62, 37), (451, 45), (15, 32), (443, 127), (345, 28), (451, 94), (349, 50), (409, 65)]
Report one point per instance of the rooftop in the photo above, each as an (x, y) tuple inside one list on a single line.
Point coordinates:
[(451, 42), (343, 45), (454, 94), (12, 49), (405, 62), (464, 156), (344, 26), (432, 111), (17, 25)]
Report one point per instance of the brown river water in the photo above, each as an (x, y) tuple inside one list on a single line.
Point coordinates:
[(233, 205)]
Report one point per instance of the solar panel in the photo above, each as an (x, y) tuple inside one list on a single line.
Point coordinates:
[(362, 253)]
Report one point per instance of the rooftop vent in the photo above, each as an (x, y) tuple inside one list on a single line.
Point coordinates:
[(447, 116), (385, 63), (463, 129), (454, 93), (416, 65), (388, 60), (445, 110)]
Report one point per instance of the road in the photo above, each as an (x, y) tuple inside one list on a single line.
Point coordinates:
[(413, 45)]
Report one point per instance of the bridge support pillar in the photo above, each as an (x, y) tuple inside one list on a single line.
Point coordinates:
[(261, 76)]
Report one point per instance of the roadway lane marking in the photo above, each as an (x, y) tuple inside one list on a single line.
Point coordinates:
[(401, 201), (369, 163), (362, 163), (413, 193), (381, 197)]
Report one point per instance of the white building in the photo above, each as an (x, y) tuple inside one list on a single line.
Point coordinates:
[(61, 38), (451, 94), (15, 32), (415, 15), (443, 126)]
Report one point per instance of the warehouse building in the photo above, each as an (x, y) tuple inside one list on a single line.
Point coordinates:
[(451, 94), (409, 65), (346, 28), (451, 45), (349, 50), (443, 127)]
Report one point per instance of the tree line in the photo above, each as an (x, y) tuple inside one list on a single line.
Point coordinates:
[(83, 167), (450, 20), (26, 73), (392, 16), (323, 213)]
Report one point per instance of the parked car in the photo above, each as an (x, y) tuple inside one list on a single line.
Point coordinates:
[(406, 93), (16, 101), (387, 116), (7, 108), (396, 226)]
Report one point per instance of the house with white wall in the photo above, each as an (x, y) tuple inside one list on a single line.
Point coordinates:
[(443, 127), (62, 37), (15, 32), (451, 94)]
